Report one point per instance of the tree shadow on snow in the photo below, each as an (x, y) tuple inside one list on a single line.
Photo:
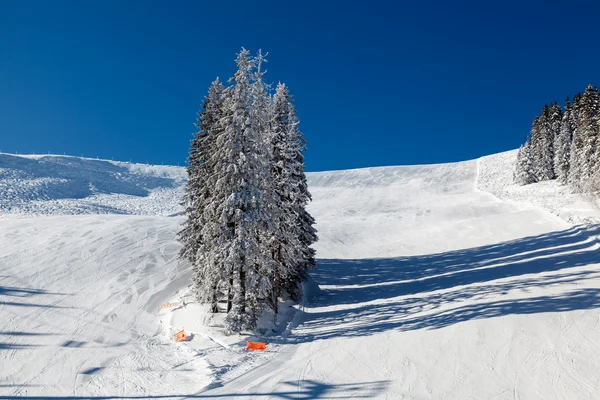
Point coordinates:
[(426, 292), (10, 297), (9, 293), (302, 389)]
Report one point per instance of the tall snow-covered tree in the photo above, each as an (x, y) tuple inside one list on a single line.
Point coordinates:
[(589, 123), (261, 117), (543, 145), (576, 161), (562, 145), (296, 233), (525, 169), (197, 191), (242, 215)]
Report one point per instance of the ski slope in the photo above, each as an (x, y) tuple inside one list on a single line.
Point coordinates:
[(62, 185), (435, 282)]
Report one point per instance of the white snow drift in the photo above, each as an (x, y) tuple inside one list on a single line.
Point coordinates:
[(436, 281)]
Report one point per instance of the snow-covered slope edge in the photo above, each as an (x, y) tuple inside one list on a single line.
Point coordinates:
[(33, 185), (496, 177)]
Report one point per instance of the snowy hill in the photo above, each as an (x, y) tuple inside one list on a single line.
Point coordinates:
[(62, 185), (436, 281)]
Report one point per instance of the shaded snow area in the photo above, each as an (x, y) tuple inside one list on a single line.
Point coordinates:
[(63, 185), (433, 282)]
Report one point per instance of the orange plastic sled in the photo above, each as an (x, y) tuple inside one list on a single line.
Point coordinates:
[(180, 336), (256, 346)]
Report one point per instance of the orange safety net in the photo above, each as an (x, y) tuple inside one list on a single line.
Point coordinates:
[(256, 346), (180, 336), (168, 305)]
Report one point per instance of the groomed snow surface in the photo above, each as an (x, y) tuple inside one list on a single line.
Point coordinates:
[(434, 282)]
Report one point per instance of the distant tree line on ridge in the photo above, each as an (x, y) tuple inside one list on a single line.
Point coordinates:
[(564, 144)]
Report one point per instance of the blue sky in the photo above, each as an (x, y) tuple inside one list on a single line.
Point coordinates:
[(376, 83)]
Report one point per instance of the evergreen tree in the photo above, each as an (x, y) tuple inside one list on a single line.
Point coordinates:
[(196, 191), (525, 168), (242, 215), (576, 159), (247, 232), (262, 110), (295, 231), (589, 123), (543, 145), (562, 145)]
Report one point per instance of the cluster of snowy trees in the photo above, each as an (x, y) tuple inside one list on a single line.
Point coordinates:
[(564, 144), (247, 232)]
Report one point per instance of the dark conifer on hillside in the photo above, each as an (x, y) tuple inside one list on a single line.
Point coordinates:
[(576, 160), (525, 169), (589, 125), (564, 144)]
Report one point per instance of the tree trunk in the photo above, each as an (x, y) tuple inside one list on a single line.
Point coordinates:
[(230, 293), (243, 290), (214, 307)]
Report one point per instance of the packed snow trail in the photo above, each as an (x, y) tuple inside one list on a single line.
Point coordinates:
[(77, 298), (429, 289)]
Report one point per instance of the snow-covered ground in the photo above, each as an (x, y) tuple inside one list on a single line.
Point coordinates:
[(436, 282), (63, 185)]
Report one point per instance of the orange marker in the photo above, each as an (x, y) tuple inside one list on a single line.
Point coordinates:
[(256, 346), (180, 336), (168, 305)]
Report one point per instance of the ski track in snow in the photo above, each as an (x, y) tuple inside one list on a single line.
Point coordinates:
[(436, 282)]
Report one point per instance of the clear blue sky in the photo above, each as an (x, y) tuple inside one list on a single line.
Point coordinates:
[(376, 83)]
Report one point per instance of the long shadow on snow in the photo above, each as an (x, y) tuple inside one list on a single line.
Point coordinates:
[(423, 284), (381, 270), (302, 389), (24, 292), (9, 293)]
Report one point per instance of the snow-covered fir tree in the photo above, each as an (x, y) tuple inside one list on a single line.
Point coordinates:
[(197, 194), (562, 145), (242, 215), (543, 144), (576, 157), (247, 230), (295, 231), (525, 168), (261, 117), (194, 192), (589, 124)]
